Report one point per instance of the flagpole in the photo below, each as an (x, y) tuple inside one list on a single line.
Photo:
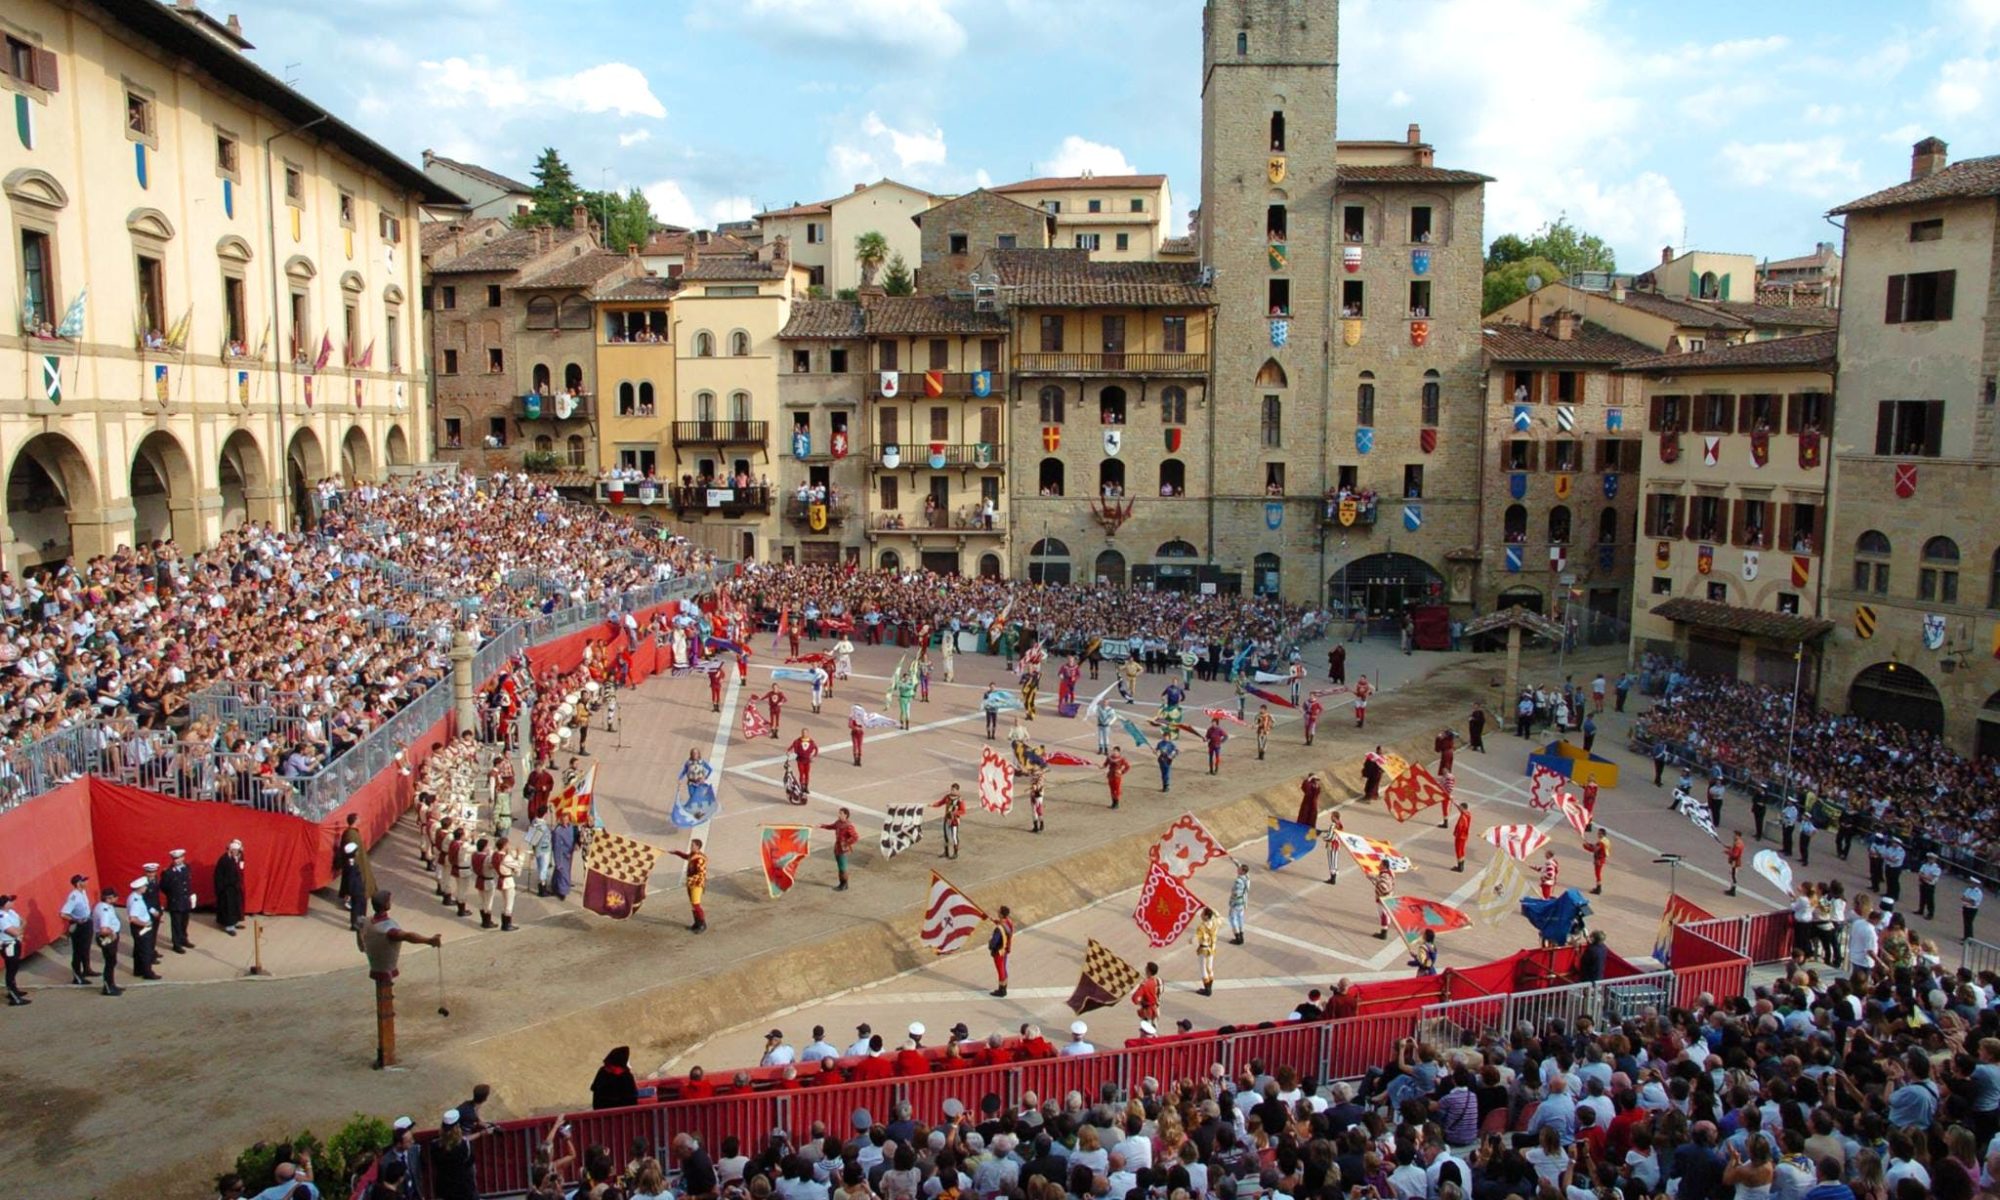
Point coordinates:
[(1792, 718)]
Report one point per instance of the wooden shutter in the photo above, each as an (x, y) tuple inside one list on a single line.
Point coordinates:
[(1785, 526), (1548, 388), (1656, 408), (989, 425), (1933, 428), (1727, 414), (1534, 454), (1885, 427), (1735, 521), (1795, 407), (1892, 312), (1628, 455), (45, 70), (1946, 281)]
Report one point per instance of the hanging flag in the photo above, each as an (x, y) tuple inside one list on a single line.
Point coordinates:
[(1542, 787), (1663, 553), (1772, 866), (1679, 911), (933, 383), (1711, 451), (1287, 841), (1186, 847), (902, 828), (615, 870), (1809, 449), (1516, 841), (1750, 564), (1523, 419), (754, 724), (325, 352), (1364, 440), (1373, 855), (996, 782), (1517, 485), (1801, 570), (1697, 811), (162, 388), (1281, 333), (1566, 417), (1864, 621), (950, 917), (1165, 906), (887, 383), (1564, 484), (72, 322), (1412, 915), (243, 388), (1052, 438), (1670, 446), (1704, 559), (1413, 517), (1760, 448), (1107, 979), (839, 442), (1614, 419), (1933, 631), (52, 378), (1558, 557), (1412, 792), (1906, 480), (575, 799), (1501, 886), (982, 384), (1427, 440), (1514, 559), (782, 850), (1611, 486), (1268, 697)]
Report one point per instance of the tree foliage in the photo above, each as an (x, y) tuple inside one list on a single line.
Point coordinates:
[(871, 250), (624, 219), (555, 192), (897, 280), (1509, 282), (1557, 251)]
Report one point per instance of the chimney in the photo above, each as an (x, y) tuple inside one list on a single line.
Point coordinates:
[(701, 237), (781, 248), (1927, 158), (234, 25), (860, 187), (1666, 255), (579, 217), (1416, 134), (689, 257), (1565, 325), (870, 294)]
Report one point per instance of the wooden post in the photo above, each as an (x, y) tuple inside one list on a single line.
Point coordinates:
[(1513, 673), (257, 946), (385, 1023)]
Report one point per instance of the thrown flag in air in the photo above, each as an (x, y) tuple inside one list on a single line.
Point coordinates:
[(870, 720), (1107, 979), (903, 828), (950, 916), (1697, 811), (1165, 906), (782, 849), (1286, 842), (1516, 841), (1186, 847), (1543, 785), (996, 782), (1268, 697)]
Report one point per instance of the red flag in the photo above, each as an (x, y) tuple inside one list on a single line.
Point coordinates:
[(782, 850), (1186, 847), (784, 627), (1165, 906), (1063, 758), (1412, 915), (1268, 697), (325, 352), (1412, 792), (754, 723)]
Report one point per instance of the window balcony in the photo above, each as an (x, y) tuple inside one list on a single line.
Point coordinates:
[(940, 456), (645, 492), (721, 433), (554, 406), (729, 502), (799, 513), (966, 520), (933, 385), (1111, 364)]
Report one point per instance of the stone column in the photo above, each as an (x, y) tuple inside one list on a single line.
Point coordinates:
[(462, 683)]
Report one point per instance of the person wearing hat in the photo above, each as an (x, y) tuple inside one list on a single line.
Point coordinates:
[(106, 925), (1076, 1044), (776, 1052), (145, 930), (911, 1059), (76, 910), (451, 1156), (506, 866), (401, 1157), (156, 899), (1968, 904), (11, 948), (1927, 880), (861, 1037), (177, 885), (229, 889)]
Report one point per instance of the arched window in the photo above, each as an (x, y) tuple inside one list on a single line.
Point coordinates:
[(1264, 574), (1111, 406), (628, 399), (542, 312), (739, 406), (576, 313), (1559, 524), (1050, 548), (1173, 477), (1052, 405), (1433, 393), (889, 561), (576, 451), (540, 377), (1178, 548), (544, 444), (1364, 400), (645, 399), (1871, 563), (1052, 477), (704, 407), (1711, 288), (1048, 562), (1607, 527), (1937, 578), (1111, 478), (1514, 523), (1272, 375), (739, 344), (573, 378), (704, 344), (1173, 406)]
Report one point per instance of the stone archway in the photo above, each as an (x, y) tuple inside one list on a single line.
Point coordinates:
[(1385, 583), (396, 447), (1109, 568), (164, 493), (357, 457), (243, 480), (1897, 692), (49, 484), (305, 466)]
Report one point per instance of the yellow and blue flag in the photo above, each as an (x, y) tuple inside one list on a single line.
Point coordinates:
[(1287, 841)]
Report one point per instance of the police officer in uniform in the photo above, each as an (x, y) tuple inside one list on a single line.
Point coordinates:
[(144, 916), (505, 865), (177, 885), (11, 947), (76, 910), (105, 927), (1927, 881)]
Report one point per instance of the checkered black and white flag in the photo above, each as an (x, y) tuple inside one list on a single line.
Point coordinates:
[(903, 828), (1695, 810)]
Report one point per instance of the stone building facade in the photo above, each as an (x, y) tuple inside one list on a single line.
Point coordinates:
[(1914, 591), (1733, 474), (956, 234), (1559, 492), (823, 386), (209, 309)]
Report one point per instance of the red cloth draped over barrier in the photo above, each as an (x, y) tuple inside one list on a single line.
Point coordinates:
[(42, 844), (566, 652)]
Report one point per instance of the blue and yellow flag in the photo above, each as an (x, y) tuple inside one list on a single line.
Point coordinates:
[(1286, 841)]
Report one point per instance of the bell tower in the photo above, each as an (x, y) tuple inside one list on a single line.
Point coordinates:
[(1267, 234)]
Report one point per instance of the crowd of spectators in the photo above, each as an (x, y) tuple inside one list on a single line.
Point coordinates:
[(337, 628), (1901, 779)]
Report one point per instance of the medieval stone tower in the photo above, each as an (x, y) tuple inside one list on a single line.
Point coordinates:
[(1267, 230)]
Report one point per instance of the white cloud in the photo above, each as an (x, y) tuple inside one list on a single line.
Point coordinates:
[(873, 149), (1817, 167), (1077, 155), (475, 83), (671, 204), (1823, 114), (924, 28), (634, 137), (1399, 99), (730, 208), (1964, 84), (913, 148)]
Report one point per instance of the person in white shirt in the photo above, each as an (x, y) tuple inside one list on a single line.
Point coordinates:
[(859, 1049), (1078, 1046), (1136, 1149), (1122, 1180), (1862, 940), (819, 1047), (776, 1052)]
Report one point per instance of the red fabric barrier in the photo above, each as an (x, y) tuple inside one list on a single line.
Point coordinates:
[(282, 854), (1397, 995), (42, 844)]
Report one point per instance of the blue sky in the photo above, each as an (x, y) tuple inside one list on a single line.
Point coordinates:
[(1729, 126)]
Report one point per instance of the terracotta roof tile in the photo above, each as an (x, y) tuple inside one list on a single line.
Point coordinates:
[(888, 316), (824, 319), (1069, 277), (1777, 626), (585, 270), (645, 287), (1681, 312), (1407, 174), (490, 178), (678, 241), (1967, 179), (504, 253), (1765, 315), (1592, 344), (1177, 245), (1811, 351), (815, 209), (433, 236), (742, 267), (1071, 183)]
